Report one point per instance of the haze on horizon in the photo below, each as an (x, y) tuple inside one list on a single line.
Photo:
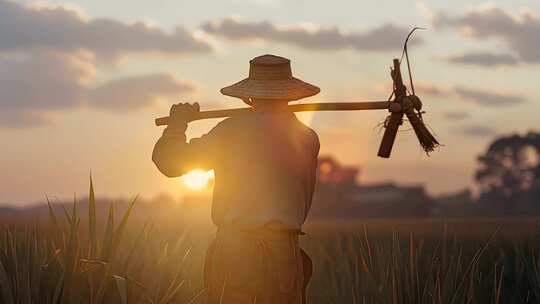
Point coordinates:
[(82, 81)]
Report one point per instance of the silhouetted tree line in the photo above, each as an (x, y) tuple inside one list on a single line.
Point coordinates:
[(508, 176), (507, 181)]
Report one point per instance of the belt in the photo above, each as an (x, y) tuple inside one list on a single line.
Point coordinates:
[(260, 232)]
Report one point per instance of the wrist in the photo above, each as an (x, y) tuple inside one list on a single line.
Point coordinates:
[(176, 128)]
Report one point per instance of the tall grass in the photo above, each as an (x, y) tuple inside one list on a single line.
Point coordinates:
[(354, 267), (61, 264), (106, 259)]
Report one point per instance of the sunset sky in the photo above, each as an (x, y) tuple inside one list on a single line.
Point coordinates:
[(82, 81)]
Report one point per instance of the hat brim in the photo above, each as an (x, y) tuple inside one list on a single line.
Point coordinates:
[(286, 89)]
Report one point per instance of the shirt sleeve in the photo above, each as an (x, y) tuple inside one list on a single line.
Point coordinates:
[(174, 156)]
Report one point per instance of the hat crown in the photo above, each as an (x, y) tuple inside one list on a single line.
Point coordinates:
[(270, 67), (270, 78), (269, 59)]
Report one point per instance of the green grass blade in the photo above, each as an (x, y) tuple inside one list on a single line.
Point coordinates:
[(117, 234), (92, 221), (121, 285), (169, 295), (108, 237), (52, 215), (5, 286), (141, 236), (123, 222)]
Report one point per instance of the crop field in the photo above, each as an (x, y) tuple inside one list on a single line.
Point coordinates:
[(118, 258)]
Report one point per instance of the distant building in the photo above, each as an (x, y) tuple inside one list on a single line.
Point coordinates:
[(340, 195), (329, 171)]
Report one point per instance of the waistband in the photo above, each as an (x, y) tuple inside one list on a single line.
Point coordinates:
[(260, 232)]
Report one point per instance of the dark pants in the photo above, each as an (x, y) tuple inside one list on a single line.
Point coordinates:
[(256, 267)]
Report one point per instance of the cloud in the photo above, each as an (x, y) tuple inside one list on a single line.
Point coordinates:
[(519, 33), (49, 56), (261, 2), (22, 119), (479, 131), (132, 93), (430, 89), (44, 80), (35, 85), (24, 28), (476, 96), (483, 59), (383, 38), (456, 115), (488, 98)]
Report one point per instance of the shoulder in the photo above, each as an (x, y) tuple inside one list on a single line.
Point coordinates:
[(309, 133), (225, 124), (231, 123), (306, 129), (231, 126), (314, 137), (239, 122)]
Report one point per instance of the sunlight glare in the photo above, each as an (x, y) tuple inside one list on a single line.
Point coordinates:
[(197, 179)]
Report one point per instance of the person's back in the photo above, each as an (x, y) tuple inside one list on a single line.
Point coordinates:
[(265, 167), (264, 173)]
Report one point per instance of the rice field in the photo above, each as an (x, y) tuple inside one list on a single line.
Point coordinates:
[(115, 258)]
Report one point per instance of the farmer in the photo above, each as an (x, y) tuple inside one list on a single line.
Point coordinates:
[(265, 168)]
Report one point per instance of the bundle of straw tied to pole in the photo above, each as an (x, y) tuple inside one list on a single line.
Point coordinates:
[(401, 102)]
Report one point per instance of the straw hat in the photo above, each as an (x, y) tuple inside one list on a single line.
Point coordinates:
[(270, 77)]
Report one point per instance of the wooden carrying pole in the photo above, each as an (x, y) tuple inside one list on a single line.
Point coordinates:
[(401, 105), (325, 106)]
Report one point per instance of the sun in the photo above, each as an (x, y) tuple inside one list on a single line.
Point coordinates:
[(197, 179)]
